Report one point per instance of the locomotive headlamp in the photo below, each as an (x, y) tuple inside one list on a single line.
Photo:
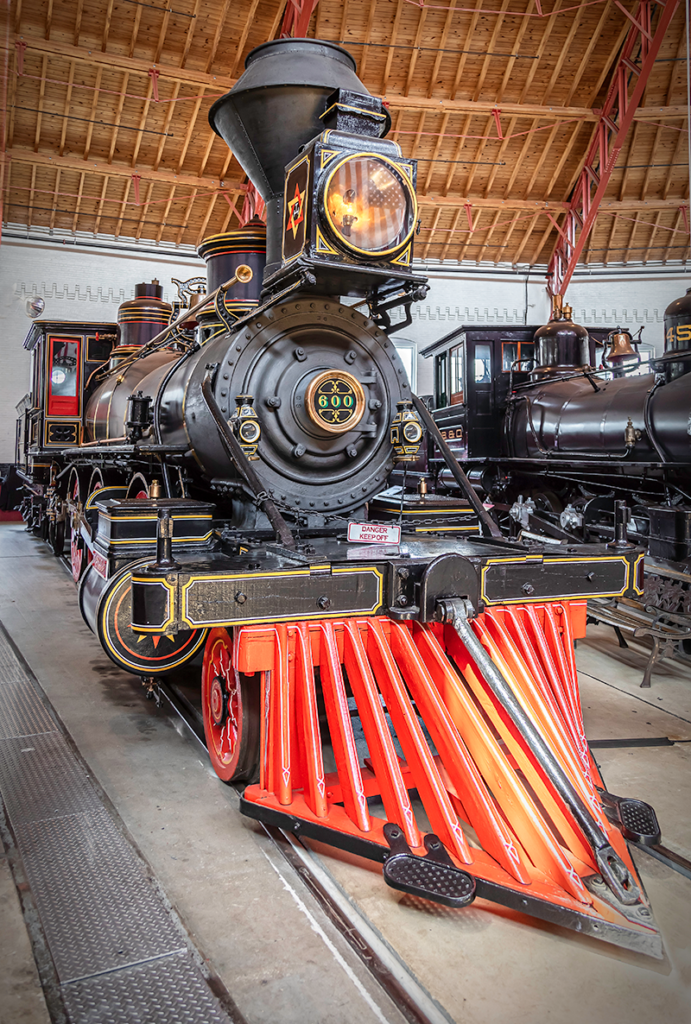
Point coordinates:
[(335, 401), (349, 210), (369, 205)]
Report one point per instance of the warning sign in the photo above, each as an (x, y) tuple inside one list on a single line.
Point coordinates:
[(370, 533)]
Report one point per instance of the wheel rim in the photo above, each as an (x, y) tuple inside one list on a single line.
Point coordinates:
[(138, 487), (221, 705)]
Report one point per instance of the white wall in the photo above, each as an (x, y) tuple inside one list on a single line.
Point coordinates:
[(629, 299), (77, 283)]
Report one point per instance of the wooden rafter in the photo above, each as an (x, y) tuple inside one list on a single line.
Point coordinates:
[(526, 238), (207, 217), (142, 123), (56, 189), (416, 50), (106, 26), (442, 46), (217, 37), (185, 216), (540, 245), (165, 22), (92, 114), (170, 112), (166, 211), (631, 237), (41, 97), (362, 69), (118, 116), (77, 205), (450, 236), (656, 223), (189, 35), (464, 56), (437, 149), (104, 189), (135, 30), (392, 47), (123, 170), (144, 212), (471, 235), (77, 21), (433, 228), (488, 236), (123, 208), (68, 98), (49, 18), (243, 36)]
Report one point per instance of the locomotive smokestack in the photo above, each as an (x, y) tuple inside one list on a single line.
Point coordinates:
[(274, 109)]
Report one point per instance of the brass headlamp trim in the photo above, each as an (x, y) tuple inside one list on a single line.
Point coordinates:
[(406, 187), (357, 393)]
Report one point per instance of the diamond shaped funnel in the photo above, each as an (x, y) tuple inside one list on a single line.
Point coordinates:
[(274, 108)]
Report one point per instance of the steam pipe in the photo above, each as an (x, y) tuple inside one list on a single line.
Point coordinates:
[(612, 868)]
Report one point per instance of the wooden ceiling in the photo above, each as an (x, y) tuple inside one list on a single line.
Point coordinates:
[(495, 101)]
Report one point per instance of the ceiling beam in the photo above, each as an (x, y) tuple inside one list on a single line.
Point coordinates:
[(73, 163), (222, 82), (534, 205)]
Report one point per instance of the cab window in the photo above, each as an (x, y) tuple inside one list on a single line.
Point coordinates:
[(514, 351), (482, 364), (63, 377), (456, 375)]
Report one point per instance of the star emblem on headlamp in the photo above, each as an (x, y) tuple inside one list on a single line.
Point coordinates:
[(296, 206)]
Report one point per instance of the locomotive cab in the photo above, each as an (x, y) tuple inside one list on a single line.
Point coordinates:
[(474, 369), (65, 354)]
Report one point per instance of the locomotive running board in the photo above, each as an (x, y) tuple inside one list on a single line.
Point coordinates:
[(494, 746)]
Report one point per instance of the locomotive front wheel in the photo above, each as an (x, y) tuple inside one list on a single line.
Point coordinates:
[(230, 708)]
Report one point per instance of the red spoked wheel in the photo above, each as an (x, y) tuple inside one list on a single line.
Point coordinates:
[(230, 707)]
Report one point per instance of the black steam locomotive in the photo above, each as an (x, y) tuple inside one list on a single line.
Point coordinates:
[(554, 442), (227, 489)]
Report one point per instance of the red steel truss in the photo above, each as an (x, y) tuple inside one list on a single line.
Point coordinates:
[(626, 92), (296, 19)]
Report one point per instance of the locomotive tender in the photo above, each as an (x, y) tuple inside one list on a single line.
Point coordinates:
[(213, 491)]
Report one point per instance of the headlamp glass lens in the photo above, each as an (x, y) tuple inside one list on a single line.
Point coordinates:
[(369, 205)]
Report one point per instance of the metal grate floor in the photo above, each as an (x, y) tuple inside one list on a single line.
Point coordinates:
[(119, 954)]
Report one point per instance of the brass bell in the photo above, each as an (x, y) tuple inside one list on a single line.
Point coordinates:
[(622, 355)]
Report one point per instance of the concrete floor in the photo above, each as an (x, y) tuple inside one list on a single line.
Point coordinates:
[(246, 909)]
